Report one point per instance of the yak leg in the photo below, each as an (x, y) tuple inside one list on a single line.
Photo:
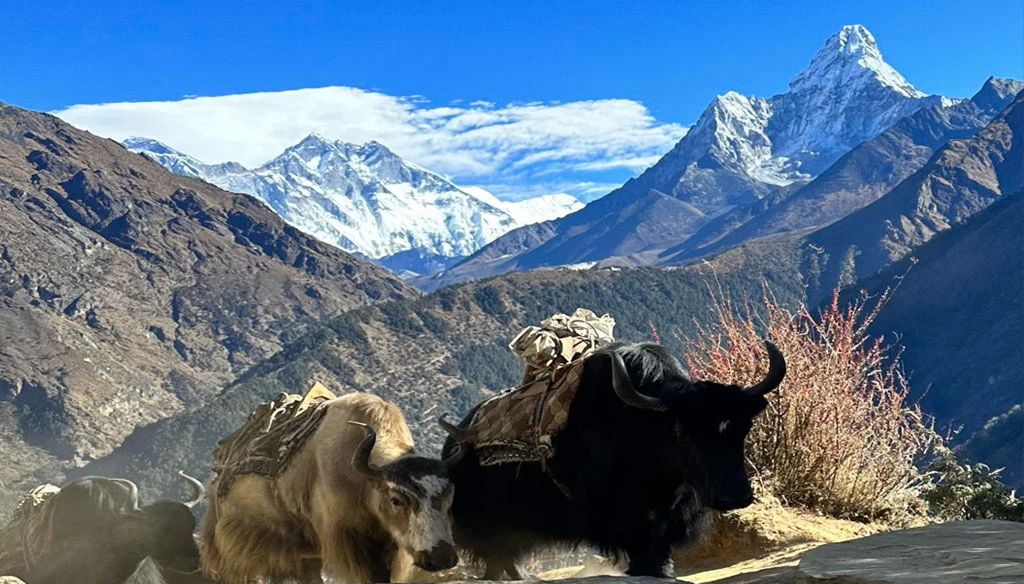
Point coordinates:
[(499, 568), (649, 551), (653, 560), (494, 571), (514, 573)]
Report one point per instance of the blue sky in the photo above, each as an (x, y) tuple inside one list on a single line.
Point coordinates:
[(626, 76)]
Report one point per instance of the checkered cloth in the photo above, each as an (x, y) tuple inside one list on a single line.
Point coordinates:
[(519, 424), (270, 438)]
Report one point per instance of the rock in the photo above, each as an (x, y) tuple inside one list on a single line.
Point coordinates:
[(949, 553), (10, 580)]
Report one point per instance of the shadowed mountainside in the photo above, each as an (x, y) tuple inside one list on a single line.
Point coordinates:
[(961, 179), (957, 311)]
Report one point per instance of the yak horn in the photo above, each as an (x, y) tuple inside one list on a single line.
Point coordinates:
[(623, 387), (456, 456), (458, 434), (776, 371), (198, 490), (461, 438), (361, 457)]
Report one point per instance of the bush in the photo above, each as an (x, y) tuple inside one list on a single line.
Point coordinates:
[(838, 435), (961, 490)]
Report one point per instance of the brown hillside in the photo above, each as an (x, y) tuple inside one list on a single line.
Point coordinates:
[(128, 293)]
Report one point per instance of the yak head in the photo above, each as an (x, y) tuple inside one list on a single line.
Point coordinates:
[(165, 529), (711, 420), (412, 497)]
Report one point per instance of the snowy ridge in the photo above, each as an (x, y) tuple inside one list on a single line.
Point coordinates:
[(744, 146), (532, 210), (366, 199)]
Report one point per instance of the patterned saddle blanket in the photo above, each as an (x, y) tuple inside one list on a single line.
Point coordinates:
[(518, 425), (27, 535), (274, 432)]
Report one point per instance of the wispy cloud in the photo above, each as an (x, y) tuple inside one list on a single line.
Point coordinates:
[(518, 148)]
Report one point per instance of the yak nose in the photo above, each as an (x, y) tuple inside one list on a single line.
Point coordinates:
[(441, 557)]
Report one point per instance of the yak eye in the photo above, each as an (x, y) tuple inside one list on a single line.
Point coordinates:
[(398, 501)]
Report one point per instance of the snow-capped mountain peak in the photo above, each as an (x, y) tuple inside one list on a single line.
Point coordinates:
[(851, 56), (365, 198), (744, 147), (174, 160), (139, 143)]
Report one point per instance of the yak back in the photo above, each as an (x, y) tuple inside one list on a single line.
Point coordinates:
[(269, 439), (607, 437)]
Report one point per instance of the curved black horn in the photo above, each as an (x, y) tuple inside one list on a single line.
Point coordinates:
[(456, 456), (623, 387), (776, 371), (458, 434), (361, 457), (198, 490)]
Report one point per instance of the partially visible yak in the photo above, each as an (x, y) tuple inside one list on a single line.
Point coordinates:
[(645, 453), (99, 533), (355, 503)]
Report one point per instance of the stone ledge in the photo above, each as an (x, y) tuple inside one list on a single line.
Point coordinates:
[(949, 553)]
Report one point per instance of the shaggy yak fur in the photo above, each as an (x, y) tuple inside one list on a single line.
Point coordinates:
[(645, 453), (358, 507), (100, 533)]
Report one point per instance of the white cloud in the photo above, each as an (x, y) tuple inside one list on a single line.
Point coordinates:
[(519, 148)]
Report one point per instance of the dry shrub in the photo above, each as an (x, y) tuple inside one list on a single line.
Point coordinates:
[(839, 435)]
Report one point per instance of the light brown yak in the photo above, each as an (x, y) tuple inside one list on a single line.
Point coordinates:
[(355, 503)]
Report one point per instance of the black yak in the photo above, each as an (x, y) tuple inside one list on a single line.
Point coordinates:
[(97, 532), (645, 453)]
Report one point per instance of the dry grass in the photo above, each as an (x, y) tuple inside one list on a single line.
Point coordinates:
[(839, 436)]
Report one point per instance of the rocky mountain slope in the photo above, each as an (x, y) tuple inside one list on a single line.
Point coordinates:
[(367, 200), (858, 178), (962, 178), (444, 352), (128, 293), (741, 149), (958, 311)]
